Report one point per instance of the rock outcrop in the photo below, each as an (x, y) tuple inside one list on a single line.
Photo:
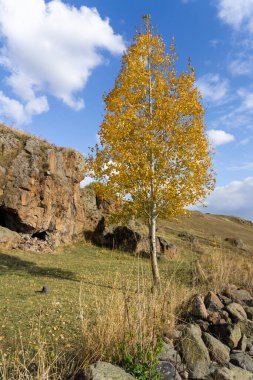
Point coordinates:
[(41, 200), (94, 210), (39, 186), (129, 239)]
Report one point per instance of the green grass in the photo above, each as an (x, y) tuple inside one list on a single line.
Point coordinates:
[(80, 266), (83, 268), (98, 298)]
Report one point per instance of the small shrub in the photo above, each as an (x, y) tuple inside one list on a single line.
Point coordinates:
[(143, 365)]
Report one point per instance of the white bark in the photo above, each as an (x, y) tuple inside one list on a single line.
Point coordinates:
[(153, 250), (152, 216)]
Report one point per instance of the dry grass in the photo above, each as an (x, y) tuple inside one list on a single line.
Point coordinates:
[(210, 229), (23, 136), (39, 364), (138, 319), (217, 267), (124, 322), (127, 320), (124, 316)]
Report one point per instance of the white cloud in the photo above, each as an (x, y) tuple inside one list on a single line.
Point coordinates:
[(86, 181), (52, 48), (12, 109), (213, 87), (236, 13), (237, 117), (237, 114), (245, 141), (244, 166), (219, 137), (234, 198), (215, 42), (242, 65), (247, 99)]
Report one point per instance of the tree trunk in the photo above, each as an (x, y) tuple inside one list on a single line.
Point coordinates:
[(153, 253), (152, 216)]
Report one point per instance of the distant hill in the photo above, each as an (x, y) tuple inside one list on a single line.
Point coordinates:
[(211, 229)]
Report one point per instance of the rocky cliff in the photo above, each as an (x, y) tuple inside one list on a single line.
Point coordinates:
[(39, 187), (41, 199)]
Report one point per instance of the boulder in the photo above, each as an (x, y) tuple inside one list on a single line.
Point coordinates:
[(218, 351), (167, 371), (234, 335), (243, 360), (8, 238), (246, 327), (194, 352), (236, 311), (249, 312), (215, 318), (227, 333), (169, 354), (106, 371), (186, 236), (239, 295), (198, 308), (213, 302), (238, 243), (242, 345), (123, 238), (232, 373), (224, 299), (166, 249)]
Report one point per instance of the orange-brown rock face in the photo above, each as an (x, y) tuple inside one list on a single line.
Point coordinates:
[(39, 186)]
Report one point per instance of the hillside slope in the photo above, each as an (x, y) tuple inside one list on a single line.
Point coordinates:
[(210, 229)]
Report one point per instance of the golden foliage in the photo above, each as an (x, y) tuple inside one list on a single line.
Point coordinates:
[(153, 150)]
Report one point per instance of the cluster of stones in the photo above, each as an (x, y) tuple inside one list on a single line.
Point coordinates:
[(45, 243), (28, 243), (216, 343)]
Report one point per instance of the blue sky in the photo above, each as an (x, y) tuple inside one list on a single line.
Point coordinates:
[(58, 58)]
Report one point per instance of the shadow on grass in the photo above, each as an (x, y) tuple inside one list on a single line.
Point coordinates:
[(12, 264), (106, 286)]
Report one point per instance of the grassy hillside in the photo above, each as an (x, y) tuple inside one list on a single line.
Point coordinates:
[(69, 271), (210, 229), (99, 299)]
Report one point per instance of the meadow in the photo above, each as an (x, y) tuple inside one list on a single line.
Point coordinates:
[(100, 304)]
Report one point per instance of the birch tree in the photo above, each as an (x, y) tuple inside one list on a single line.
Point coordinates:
[(153, 157)]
